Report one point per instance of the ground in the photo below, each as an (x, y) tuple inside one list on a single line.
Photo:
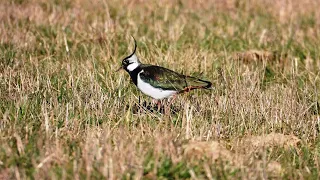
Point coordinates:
[(66, 114)]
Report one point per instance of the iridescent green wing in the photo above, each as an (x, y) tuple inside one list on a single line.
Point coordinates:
[(163, 78)]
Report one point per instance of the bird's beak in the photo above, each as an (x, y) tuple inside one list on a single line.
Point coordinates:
[(119, 69)]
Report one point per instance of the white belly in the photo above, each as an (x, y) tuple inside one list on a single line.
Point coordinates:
[(153, 92)]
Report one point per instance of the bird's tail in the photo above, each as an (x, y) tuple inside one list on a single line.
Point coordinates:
[(194, 83)]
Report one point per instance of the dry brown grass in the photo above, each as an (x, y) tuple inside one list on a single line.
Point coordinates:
[(65, 113)]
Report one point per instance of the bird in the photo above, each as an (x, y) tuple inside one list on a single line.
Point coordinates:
[(159, 82)]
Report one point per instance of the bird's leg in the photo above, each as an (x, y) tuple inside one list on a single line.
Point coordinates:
[(158, 102)]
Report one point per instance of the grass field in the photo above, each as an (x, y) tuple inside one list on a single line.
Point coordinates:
[(66, 114)]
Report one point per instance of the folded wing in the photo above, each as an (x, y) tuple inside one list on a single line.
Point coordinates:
[(167, 79)]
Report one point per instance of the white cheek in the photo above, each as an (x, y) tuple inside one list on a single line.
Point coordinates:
[(132, 66)]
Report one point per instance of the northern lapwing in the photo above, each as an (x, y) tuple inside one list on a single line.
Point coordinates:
[(159, 82)]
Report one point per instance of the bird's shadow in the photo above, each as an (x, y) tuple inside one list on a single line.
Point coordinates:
[(150, 107)]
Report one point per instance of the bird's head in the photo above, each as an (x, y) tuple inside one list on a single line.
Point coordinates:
[(131, 62)]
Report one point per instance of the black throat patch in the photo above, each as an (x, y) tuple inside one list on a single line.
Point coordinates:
[(134, 74)]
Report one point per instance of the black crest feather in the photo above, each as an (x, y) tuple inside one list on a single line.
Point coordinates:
[(135, 47)]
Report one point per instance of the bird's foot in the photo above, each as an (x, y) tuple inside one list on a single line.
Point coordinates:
[(158, 102)]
